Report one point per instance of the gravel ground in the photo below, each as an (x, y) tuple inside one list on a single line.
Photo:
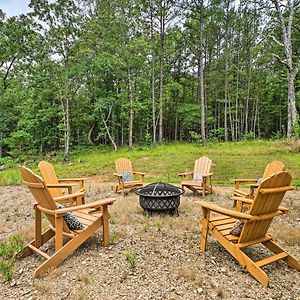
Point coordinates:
[(169, 264)]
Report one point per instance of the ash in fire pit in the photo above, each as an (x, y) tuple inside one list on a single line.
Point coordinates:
[(160, 197)]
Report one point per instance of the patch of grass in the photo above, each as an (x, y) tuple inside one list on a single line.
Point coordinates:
[(113, 219), (8, 249), (131, 259), (158, 225), (146, 227), (113, 238), (244, 159)]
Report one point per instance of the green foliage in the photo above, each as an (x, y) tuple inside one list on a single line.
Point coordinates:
[(102, 66), (196, 137), (8, 250), (131, 259), (158, 225), (296, 129), (250, 136), (19, 143), (146, 227), (216, 135), (113, 219)]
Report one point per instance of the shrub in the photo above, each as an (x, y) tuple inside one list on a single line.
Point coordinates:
[(8, 250), (196, 137), (216, 135), (250, 136)]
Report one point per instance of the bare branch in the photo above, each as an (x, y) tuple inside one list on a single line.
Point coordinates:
[(296, 70), (282, 61), (276, 41)]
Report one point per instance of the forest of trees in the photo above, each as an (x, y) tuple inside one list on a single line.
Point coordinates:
[(120, 72)]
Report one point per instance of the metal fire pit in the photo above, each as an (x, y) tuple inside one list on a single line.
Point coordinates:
[(160, 197)]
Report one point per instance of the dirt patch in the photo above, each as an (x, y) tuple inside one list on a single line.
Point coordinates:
[(169, 264)]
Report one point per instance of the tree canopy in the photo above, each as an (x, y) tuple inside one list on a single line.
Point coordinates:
[(119, 72)]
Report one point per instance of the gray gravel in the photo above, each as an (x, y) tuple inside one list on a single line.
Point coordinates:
[(169, 264)]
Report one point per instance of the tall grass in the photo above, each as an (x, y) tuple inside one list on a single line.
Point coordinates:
[(245, 159)]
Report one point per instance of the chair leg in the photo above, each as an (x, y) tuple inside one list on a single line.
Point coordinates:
[(67, 249), (253, 269), (46, 236), (205, 221), (105, 218), (290, 260)]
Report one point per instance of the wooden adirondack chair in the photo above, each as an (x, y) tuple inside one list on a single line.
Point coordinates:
[(201, 177), (92, 215), (264, 207), (56, 185), (271, 168), (123, 166)]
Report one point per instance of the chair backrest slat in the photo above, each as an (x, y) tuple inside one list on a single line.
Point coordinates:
[(202, 165), (50, 177), (272, 168), (265, 203), (40, 192), (124, 165)]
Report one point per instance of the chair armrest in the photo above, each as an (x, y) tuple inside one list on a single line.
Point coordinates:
[(69, 196), (185, 173), (72, 179), (60, 185), (139, 173), (253, 185), (118, 175), (242, 199), (245, 180), (249, 201), (224, 211), (93, 204), (207, 175)]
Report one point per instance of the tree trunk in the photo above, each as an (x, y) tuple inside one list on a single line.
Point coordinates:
[(67, 129), (161, 77), (292, 111), (108, 132), (225, 100), (153, 79), (292, 70), (200, 72), (130, 96), (90, 135)]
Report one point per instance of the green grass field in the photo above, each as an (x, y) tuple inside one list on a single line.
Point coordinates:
[(163, 163)]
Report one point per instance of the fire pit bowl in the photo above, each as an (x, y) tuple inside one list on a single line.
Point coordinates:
[(160, 197)]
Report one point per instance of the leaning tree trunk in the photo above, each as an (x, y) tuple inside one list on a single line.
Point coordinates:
[(108, 133)]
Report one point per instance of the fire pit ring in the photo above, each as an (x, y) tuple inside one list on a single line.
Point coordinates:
[(160, 197)]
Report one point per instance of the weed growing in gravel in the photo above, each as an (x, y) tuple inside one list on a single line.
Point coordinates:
[(158, 225), (113, 219), (131, 259), (146, 227), (8, 249), (112, 238)]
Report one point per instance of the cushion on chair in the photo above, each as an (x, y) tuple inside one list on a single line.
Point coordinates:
[(71, 220), (259, 180), (126, 176), (236, 229), (197, 177)]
